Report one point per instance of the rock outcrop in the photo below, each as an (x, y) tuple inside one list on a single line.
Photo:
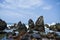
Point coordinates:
[(31, 24), (3, 24), (40, 24), (21, 27)]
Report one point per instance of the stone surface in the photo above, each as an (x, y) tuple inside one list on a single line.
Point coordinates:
[(57, 26), (22, 27), (40, 24), (31, 24), (51, 35), (3, 24)]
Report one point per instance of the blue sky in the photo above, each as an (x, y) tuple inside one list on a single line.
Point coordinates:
[(13, 11)]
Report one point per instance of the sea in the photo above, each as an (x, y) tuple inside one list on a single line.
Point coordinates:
[(46, 30)]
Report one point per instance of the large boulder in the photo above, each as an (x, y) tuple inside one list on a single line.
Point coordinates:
[(19, 24), (40, 24), (31, 24), (22, 27), (3, 24)]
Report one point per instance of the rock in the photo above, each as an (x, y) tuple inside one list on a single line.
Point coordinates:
[(47, 25), (22, 27), (53, 27), (15, 25), (51, 35), (57, 26), (3, 24), (40, 24), (31, 24), (19, 24), (36, 36)]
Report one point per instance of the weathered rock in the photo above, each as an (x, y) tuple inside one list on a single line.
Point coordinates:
[(51, 35), (57, 26), (22, 27), (19, 24), (36, 36), (46, 25), (53, 27), (40, 24), (31, 24), (3, 24)]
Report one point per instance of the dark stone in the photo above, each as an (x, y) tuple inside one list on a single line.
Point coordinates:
[(51, 35), (40, 24), (2, 32), (57, 26), (22, 27), (3, 24), (31, 24), (19, 24), (26, 37)]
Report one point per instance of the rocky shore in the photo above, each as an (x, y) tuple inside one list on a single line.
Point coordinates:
[(35, 31)]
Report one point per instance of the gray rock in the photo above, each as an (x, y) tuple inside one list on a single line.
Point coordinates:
[(40, 24), (3, 24), (31, 24)]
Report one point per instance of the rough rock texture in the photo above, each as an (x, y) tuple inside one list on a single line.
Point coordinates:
[(57, 26), (40, 24), (22, 27), (31, 24), (19, 24), (3, 24)]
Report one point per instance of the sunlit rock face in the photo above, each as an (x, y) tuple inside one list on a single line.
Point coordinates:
[(40, 24), (31, 24), (3, 24)]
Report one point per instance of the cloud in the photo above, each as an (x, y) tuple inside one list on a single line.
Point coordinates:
[(16, 16), (47, 7), (25, 4), (22, 3)]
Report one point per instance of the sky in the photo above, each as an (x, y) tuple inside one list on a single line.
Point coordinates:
[(13, 11)]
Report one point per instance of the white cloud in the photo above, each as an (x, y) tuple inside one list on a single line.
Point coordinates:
[(22, 3), (47, 7)]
